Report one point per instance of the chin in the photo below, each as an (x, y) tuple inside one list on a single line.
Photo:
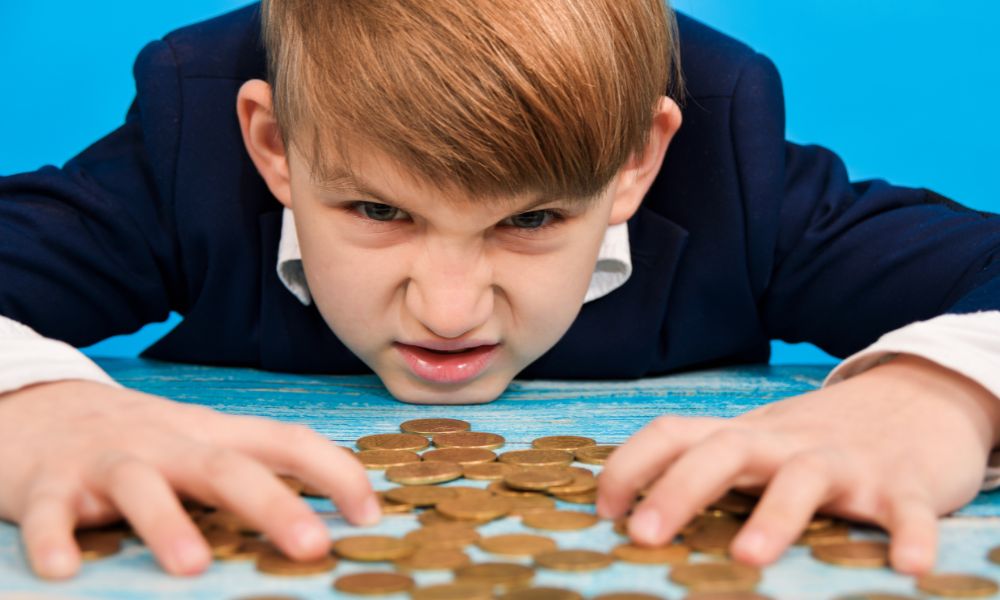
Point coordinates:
[(479, 392)]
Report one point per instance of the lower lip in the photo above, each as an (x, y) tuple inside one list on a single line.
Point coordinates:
[(447, 368)]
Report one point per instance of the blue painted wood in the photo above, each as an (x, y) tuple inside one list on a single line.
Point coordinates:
[(345, 408)]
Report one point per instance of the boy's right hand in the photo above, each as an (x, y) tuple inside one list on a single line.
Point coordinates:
[(78, 453)]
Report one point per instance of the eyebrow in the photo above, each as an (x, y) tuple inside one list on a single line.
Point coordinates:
[(340, 180)]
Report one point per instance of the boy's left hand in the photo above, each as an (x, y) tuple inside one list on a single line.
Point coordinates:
[(897, 446)]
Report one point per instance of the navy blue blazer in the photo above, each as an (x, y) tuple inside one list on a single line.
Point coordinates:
[(743, 237)]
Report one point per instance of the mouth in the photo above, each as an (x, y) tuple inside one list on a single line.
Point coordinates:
[(447, 366)]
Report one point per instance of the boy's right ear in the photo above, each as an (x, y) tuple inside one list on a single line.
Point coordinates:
[(262, 138)]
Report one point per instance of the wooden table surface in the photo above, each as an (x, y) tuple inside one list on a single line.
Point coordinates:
[(345, 408)]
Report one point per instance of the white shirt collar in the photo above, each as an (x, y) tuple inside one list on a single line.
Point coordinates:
[(613, 268)]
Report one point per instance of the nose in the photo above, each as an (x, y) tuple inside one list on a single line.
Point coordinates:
[(450, 289)]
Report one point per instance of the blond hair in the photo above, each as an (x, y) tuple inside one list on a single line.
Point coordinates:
[(496, 97)]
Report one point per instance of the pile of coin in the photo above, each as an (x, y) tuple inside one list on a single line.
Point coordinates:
[(523, 484)]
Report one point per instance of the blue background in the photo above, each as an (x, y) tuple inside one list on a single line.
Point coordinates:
[(903, 90)]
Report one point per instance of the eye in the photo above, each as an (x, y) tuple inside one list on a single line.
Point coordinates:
[(536, 219), (376, 211)]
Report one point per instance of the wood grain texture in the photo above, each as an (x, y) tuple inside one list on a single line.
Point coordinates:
[(345, 408)]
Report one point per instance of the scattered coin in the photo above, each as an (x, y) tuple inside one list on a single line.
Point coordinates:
[(488, 471), (834, 534), (671, 554), (420, 495), (501, 489), (443, 535), (433, 559), (468, 439), (468, 493), (222, 542), (474, 509), (517, 544), (538, 479), (224, 519), (392, 508), (715, 577), (594, 455), (537, 458), (453, 591), (559, 520), (373, 583), (859, 553), (424, 473), (432, 517), (504, 576), (434, 426), (383, 459), (562, 442), (541, 593), (957, 585), (522, 505), (98, 544), (583, 481), (736, 503), (372, 548), (273, 562), (248, 550), (461, 456), (994, 555), (713, 536), (584, 498), (392, 441), (573, 560)]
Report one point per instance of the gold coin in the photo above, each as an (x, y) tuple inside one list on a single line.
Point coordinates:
[(541, 593), (98, 544), (713, 536), (443, 535), (627, 596), (498, 575), (583, 481), (224, 519), (432, 517), (467, 492), (671, 554), (562, 442), (461, 456), (392, 508), (716, 577), (994, 555), (573, 560), (957, 585), (273, 562), (488, 471), (420, 495), (559, 520), (522, 505), (453, 591), (819, 523), (372, 548), (735, 503), (373, 583), (537, 458), (392, 441), (424, 473), (434, 426), (727, 596), (249, 549), (433, 559), (538, 479), (858, 553), (383, 459), (517, 544), (594, 455), (836, 533), (474, 509), (469, 439), (501, 489), (584, 498), (222, 542)]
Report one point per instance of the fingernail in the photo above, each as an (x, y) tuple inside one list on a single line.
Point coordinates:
[(646, 524), (189, 555), (57, 564), (371, 512), (308, 537), (752, 543)]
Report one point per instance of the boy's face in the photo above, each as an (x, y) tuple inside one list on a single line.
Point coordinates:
[(445, 297), (402, 271)]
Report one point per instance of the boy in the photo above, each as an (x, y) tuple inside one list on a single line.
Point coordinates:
[(454, 194)]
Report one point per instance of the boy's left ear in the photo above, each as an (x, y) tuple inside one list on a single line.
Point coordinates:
[(636, 176)]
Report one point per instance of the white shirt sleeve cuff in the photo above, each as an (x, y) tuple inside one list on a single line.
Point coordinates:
[(968, 344), (27, 358)]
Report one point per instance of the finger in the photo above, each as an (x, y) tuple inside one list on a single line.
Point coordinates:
[(644, 457), (698, 477), (229, 479), (913, 527), (144, 497), (796, 491), (300, 451), (47, 530)]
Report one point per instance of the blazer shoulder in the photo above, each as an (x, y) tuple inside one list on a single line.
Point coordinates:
[(713, 62)]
